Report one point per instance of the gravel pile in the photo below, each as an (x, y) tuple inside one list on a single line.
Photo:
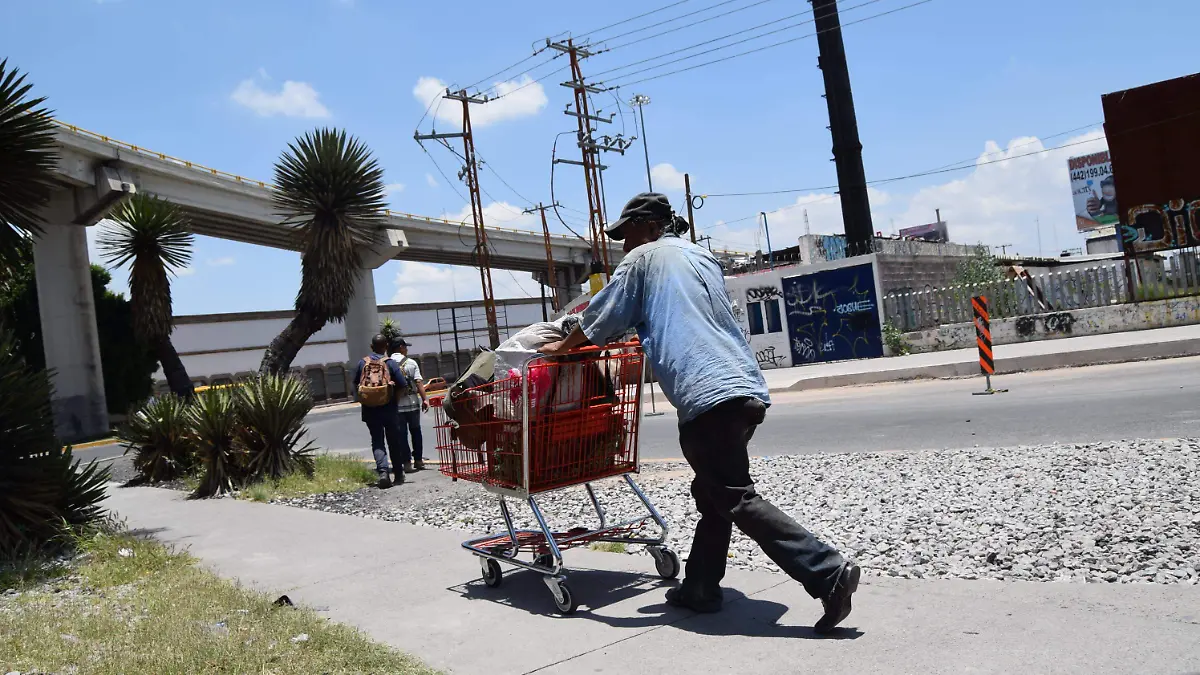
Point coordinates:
[(1104, 512)]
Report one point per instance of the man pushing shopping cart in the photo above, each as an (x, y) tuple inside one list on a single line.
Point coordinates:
[(673, 293)]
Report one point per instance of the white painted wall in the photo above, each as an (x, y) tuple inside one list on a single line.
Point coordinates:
[(771, 349), (220, 344)]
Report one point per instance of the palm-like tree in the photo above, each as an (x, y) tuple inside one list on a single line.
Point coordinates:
[(330, 188), (27, 161), (152, 236)]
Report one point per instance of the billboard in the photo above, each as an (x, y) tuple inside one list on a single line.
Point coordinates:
[(936, 232), (1093, 191), (833, 315), (1154, 139)]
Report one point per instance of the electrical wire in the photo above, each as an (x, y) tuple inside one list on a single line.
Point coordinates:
[(553, 199), (697, 23), (504, 70), (632, 18), (673, 20), (755, 50)]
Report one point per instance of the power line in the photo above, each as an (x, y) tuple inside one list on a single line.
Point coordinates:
[(752, 51), (633, 18), (681, 16), (504, 70)]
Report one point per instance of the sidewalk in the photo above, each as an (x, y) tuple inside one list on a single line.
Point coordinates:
[(1041, 355), (416, 589)]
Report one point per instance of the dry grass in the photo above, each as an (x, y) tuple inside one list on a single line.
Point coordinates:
[(332, 473), (132, 606), (608, 547)]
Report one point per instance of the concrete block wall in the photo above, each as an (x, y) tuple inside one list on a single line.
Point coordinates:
[(901, 273), (1062, 324)]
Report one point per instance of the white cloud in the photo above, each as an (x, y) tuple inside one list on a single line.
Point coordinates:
[(514, 99), (425, 282), (430, 180), (185, 272), (499, 214), (994, 203), (224, 261), (294, 99), (666, 177), (394, 187)]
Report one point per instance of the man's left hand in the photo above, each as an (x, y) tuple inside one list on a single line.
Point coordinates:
[(425, 406)]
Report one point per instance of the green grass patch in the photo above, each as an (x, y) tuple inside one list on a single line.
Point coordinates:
[(132, 606), (332, 473), (608, 547)]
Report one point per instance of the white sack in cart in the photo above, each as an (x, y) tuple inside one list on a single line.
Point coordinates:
[(518, 350)]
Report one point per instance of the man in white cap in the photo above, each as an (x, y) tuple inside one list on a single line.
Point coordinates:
[(673, 293)]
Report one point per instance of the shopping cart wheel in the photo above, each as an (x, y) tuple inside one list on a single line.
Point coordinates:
[(666, 562), (544, 560), (566, 603), (492, 576)]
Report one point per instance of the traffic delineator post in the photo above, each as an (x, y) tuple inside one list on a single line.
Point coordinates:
[(983, 339)]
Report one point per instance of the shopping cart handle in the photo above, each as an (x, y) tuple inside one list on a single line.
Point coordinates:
[(635, 343)]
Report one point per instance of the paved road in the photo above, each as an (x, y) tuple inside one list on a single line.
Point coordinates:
[(1156, 399)]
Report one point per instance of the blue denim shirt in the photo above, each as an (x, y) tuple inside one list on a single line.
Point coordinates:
[(673, 292)]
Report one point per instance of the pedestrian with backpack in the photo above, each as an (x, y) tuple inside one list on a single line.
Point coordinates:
[(411, 401), (376, 382)]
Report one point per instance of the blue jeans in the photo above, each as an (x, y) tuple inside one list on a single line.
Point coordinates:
[(387, 428), (412, 420)]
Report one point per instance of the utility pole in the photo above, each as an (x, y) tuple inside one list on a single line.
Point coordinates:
[(591, 148), (707, 239), (470, 174), (770, 252), (640, 101), (687, 187), (1004, 249), (806, 228), (843, 126), (550, 277)]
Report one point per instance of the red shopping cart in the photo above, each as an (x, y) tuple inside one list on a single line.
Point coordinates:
[(562, 422)]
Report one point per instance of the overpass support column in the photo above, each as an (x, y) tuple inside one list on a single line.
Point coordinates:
[(69, 335), (362, 319), (566, 286)]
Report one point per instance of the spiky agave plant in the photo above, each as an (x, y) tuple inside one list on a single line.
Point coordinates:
[(214, 424), (271, 411), (42, 487), (151, 235), (330, 189), (159, 436), (27, 160)]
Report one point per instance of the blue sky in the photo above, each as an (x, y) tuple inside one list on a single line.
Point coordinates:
[(228, 84)]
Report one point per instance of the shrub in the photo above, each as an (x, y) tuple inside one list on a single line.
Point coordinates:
[(271, 411), (42, 489), (894, 339), (159, 435), (214, 429)]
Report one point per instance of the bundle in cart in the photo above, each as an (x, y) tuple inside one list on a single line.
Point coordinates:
[(554, 423)]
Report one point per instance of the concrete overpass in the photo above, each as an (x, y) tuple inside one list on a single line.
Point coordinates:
[(96, 172)]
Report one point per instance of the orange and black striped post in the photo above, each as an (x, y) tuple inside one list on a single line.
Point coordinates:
[(983, 338)]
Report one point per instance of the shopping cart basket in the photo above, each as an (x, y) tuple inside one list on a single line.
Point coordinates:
[(562, 422)]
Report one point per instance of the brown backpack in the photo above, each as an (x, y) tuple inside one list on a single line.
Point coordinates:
[(375, 387)]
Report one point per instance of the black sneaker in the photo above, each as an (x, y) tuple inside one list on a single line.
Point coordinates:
[(837, 603), (677, 597), (384, 482)]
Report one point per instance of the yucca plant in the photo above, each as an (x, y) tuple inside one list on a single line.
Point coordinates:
[(27, 160), (151, 235), (271, 411), (214, 428), (159, 435), (42, 488), (330, 189), (389, 329)]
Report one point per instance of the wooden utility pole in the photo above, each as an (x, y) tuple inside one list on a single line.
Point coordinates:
[(591, 148), (550, 276), (470, 174)]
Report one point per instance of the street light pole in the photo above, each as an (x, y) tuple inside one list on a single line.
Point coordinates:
[(770, 253), (640, 101)]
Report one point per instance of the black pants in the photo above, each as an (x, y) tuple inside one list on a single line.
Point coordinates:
[(715, 444), (411, 419), (387, 428)]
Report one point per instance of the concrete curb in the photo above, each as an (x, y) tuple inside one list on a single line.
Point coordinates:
[(1018, 364)]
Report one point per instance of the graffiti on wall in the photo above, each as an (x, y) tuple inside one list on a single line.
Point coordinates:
[(833, 315), (1059, 322), (768, 358), (763, 293), (831, 247)]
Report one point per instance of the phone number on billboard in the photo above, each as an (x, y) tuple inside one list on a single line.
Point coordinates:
[(1090, 172)]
